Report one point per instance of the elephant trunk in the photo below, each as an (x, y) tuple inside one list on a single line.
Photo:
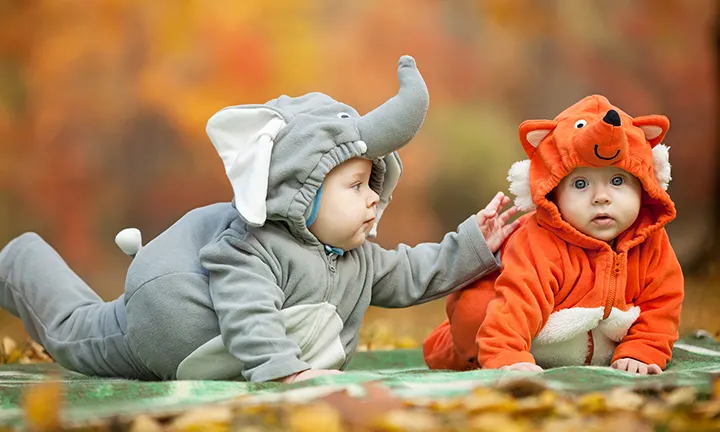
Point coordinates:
[(394, 123)]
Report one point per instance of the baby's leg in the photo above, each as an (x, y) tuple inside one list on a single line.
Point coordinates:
[(440, 351), (169, 317), (62, 313), (452, 345)]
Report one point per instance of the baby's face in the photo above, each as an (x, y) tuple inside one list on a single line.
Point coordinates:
[(599, 202), (347, 206)]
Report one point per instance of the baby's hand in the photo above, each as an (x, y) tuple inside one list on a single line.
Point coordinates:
[(492, 222), (523, 367), (634, 366), (308, 374)]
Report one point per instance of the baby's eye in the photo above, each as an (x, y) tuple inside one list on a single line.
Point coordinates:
[(356, 186), (580, 184), (617, 181), (580, 124)]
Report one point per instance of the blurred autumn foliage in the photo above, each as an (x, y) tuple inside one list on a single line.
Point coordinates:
[(103, 104)]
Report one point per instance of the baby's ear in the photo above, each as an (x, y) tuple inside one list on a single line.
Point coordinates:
[(532, 132), (654, 126)]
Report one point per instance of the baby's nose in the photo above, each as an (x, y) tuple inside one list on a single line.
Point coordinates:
[(601, 197), (373, 199)]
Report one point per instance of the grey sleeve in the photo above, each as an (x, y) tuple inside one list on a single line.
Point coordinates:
[(413, 275), (248, 300)]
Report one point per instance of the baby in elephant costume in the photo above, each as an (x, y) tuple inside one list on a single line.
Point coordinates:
[(275, 284)]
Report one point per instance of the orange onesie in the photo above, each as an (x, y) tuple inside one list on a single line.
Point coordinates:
[(562, 297)]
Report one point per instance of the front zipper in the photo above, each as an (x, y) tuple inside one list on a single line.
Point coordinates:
[(331, 260), (614, 275)]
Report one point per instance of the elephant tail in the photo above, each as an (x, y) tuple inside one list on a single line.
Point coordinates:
[(129, 240)]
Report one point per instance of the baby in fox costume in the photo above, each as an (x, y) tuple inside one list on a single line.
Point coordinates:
[(590, 277)]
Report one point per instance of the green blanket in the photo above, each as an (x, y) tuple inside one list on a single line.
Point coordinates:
[(401, 371)]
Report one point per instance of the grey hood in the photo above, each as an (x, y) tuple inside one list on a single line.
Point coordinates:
[(276, 155)]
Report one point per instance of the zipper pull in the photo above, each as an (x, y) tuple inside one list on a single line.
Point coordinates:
[(616, 260)]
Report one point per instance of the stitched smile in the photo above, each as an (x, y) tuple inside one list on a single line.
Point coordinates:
[(606, 158)]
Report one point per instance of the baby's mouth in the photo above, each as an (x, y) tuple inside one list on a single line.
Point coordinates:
[(603, 219)]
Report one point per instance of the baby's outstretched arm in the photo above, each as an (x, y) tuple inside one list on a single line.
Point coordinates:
[(412, 275)]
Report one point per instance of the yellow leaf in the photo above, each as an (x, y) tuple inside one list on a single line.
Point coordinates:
[(497, 422), (41, 405), (489, 402), (404, 420), (143, 423), (592, 403), (211, 419), (318, 417), (621, 399), (681, 396)]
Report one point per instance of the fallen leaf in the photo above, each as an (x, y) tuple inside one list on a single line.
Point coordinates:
[(521, 387), (479, 402), (542, 404), (682, 396), (405, 420), (715, 394), (144, 423), (622, 399), (592, 403), (492, 422), (210, 418), (42, 404), (317, 417), (359, 412)]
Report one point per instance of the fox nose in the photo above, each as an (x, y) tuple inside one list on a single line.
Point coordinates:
[(612, 117)]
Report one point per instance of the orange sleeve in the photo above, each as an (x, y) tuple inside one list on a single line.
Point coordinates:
[(651, 337), (524, 299)]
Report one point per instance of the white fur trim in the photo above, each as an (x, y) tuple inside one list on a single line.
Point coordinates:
[(661, 162), (568, 323), (564, 340), (617, 324), (519, 178)]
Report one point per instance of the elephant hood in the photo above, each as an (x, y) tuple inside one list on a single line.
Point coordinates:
[(277, 154)]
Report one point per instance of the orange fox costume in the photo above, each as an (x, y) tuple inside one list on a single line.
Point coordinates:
[(562, 297)]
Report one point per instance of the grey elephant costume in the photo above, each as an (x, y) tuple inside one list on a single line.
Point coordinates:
[(243, 290)]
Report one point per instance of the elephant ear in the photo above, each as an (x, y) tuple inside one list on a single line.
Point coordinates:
[(244, 137), (393, 172)]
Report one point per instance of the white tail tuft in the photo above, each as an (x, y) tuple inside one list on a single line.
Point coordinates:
[(129, 240)]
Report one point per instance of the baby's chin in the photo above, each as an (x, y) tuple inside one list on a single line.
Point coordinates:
[(603, 235)]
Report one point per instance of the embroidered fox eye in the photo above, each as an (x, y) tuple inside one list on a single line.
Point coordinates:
[(580, 123), (580, 184), (343, 115), (617, 181)]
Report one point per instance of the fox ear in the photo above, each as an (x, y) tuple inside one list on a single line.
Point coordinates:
[(654, 126), (532, 132)]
